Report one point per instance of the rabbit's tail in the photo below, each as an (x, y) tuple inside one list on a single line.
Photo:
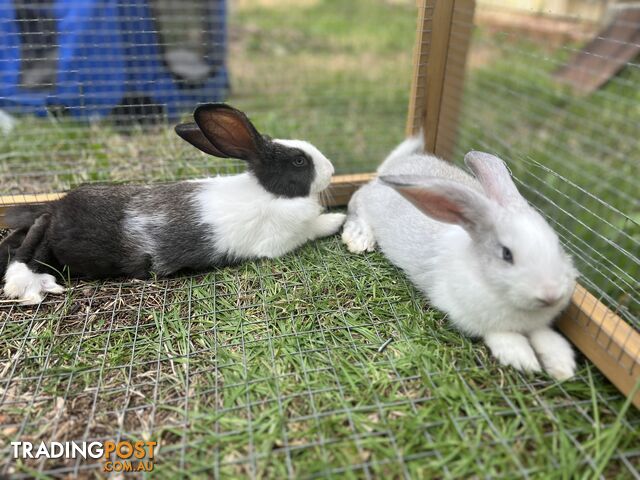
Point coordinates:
[(8, 246), (410, 146)]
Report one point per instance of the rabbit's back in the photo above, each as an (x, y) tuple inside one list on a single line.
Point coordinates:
[(411, 240), (420, 165), (165, 224), (125, 230)]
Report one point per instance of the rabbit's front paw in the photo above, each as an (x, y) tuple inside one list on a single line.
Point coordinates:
[(358, 236), (555, 353), (513, 349), (328, 224)]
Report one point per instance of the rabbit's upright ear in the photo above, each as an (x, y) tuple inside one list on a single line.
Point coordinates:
[(445, 201), (192, 134), (494, 177), (229, 131)]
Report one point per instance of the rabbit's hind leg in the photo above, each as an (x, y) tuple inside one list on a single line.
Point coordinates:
[(8, 247), (22, 280)]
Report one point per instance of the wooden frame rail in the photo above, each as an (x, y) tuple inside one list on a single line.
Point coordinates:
[(604, 338), (438, 77)]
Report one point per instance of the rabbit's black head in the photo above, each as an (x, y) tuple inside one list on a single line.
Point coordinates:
[(287, 168)]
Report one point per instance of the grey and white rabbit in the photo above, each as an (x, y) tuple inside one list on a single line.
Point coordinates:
[(474, 247), (138, 230)]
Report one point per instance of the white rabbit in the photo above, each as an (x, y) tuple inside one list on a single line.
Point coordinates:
[(474, 247)]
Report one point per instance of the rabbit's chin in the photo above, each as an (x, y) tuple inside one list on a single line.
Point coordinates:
[(536, 307)]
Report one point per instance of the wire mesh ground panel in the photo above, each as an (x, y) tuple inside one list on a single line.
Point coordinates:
[(273, 369), (324, 364)]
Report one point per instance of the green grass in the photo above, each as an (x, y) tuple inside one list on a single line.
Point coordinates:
[(270, 369), (332, 97)]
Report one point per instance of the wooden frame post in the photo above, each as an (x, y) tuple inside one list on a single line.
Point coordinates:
[(442, 42)]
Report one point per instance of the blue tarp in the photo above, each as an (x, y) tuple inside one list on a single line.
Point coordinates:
[(107, 49)]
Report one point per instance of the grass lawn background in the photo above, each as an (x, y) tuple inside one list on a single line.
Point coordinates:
[(270, 369)]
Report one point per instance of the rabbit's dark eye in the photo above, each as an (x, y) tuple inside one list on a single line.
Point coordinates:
[(507, 256), (299, 161)]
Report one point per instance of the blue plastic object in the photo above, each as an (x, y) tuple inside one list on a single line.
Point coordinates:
[(107, 51)]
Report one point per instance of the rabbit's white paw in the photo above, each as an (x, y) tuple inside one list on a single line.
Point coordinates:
[(328, 224), (513, 349), (49, 285), (31, 298), (18, 279), (358, 236), (27, 286), (555, 353)]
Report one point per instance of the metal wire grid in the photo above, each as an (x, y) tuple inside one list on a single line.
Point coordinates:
[(136, 143), (40, 28), (196, 391), (184, 370), (72, 145), (575, 158)]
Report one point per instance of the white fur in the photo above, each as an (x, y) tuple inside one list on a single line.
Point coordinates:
[(323, 167), (247, 221), (513, 349), (327, 224), (357, 235), (28, 287), (139, 226), (554, 352), (483, 295)]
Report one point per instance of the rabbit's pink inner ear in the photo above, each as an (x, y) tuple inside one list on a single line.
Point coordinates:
[(434, 204), (230, 131)]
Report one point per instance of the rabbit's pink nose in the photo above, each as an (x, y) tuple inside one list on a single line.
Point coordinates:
[(549, 299)]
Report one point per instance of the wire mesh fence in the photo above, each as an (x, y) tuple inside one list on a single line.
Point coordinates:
[(277, 368), (322, 96)]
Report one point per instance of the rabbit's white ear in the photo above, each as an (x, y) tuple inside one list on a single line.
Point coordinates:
[(445, 201), (494, 177)]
